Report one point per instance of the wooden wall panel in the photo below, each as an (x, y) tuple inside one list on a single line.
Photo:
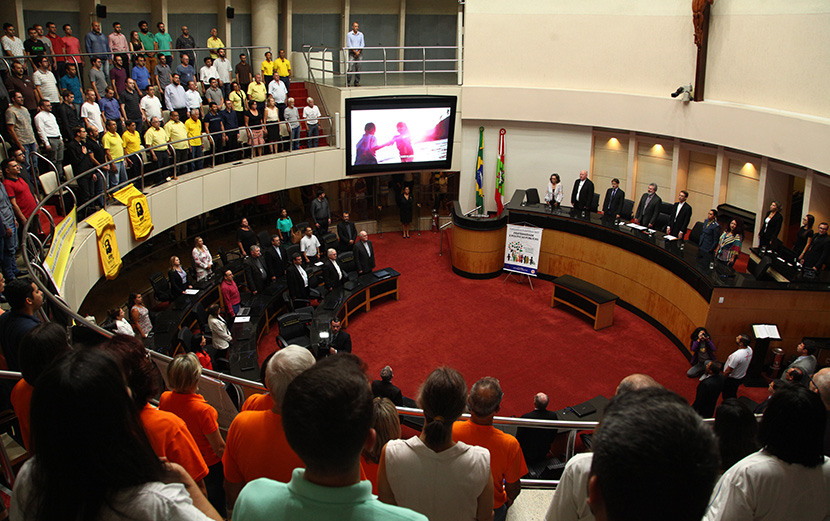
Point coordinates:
[(478, 252)]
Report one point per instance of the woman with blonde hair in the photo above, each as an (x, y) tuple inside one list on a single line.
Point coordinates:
[(201, 419), (387, 426)]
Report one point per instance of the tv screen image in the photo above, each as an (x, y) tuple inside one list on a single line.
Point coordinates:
[(394, 134)]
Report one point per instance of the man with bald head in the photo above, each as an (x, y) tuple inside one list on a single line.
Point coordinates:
[(256, 445), (571, 498), (583, 193), (507, 464), (535, 442)]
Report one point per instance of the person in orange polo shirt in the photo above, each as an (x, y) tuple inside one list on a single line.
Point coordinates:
[(201, 418), (167, 432), (507, 464), (38, 348), (256, 446)]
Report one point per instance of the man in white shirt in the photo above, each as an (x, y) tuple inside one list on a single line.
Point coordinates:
[(45, 83), (194, 99), (355, 43), (150, 106), (223, 68), (309, 246), (91, 112), (50, 134), (292, 116), (207, 72), (311, 114), (736, 366), (12, 45), (680, 216), (277, 89)]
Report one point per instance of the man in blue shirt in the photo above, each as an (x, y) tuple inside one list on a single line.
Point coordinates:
[(111, 109), (71, 82), (25, 299), (230, 123), (185, 71), (97, 42), (213, 122), (355, 43), (140, 74)]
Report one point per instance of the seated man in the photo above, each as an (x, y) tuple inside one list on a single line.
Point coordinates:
[(327, 417), (384, 388), (806, 360), (535, 442)]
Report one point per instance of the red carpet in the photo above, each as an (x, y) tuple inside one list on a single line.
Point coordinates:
[(505, 330)]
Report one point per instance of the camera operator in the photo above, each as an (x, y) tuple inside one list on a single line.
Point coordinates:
[(703, 350)]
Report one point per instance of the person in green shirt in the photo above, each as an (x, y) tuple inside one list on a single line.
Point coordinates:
[(163, 41), (149, 42)]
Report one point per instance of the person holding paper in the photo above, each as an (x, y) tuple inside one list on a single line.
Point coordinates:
[(179, 279)]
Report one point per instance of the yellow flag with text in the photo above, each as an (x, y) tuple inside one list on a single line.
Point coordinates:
[(136, 203), (62, 242), (107, 243)]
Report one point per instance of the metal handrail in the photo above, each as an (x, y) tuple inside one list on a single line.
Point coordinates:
[(145, 51)]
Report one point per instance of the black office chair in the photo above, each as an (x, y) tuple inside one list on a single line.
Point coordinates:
[(595, 203), (662, 221), (298, 305), (291, 249), (292, 331), (761, 269), (627, 211), (347, 261), (183, 340), (694, 235), (264, 238), (161, 288), (329, 240), (202, 318), (301, 226), (225, 256), (531, 196)]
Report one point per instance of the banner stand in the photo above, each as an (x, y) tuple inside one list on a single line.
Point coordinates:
[(519, 278)]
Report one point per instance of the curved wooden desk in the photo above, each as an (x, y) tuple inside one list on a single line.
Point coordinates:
[(668, 284)]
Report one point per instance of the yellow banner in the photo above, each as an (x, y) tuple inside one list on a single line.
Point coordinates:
[(107, 243), (62, 243), (136, 203)]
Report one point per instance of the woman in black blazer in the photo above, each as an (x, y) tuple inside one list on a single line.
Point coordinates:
[(771, 225), (178, 277)]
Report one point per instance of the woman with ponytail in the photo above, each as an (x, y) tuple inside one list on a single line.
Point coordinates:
[(431, 473)]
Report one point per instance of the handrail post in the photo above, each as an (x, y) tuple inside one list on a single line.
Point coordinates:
[(212, 150), (424, 64), (385, 82), (175, 167), (140, 158)]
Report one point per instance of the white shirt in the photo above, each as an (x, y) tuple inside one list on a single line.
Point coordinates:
[(739, 362), (14, 46), (47, 126), (337, 269), (92, 112), (679, 207), (304, 275), (151, 106), (366, 245), (570, 501), (123, 327), (206, 73), (194, 99), (277, 89), (581, 182), (309, 245), (223, 68), (48, 85), (764, 488), (311, 114)]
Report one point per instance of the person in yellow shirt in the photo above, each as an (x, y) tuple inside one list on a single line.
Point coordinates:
[(214, 42), (267, 68), (157, 137), (237, 97), (176, 131), (115, 149), (194, 130), (132, 144), (257, 91), (282, 68)]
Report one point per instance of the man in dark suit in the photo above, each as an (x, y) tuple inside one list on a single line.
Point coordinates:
[(817, 254), (364, 254), (614, 198), (649, 208), (709, 235), (297, 278), (536, 442), (346, 233), (341, 342), (276, 258), (256, 271), (384, 388), (680, 216), (583, 193), (708, 390), (334, 275)]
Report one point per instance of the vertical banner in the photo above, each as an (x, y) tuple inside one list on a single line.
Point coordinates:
[(521, 249), (107, 244), (480, 171), (62, 243), (136, 203), (500, 175)]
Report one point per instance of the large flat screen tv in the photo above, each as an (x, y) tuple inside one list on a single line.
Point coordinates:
[(399, 133)]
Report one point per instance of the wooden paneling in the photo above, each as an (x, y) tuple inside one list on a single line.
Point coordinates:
[(649, 287), (478, 251)]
